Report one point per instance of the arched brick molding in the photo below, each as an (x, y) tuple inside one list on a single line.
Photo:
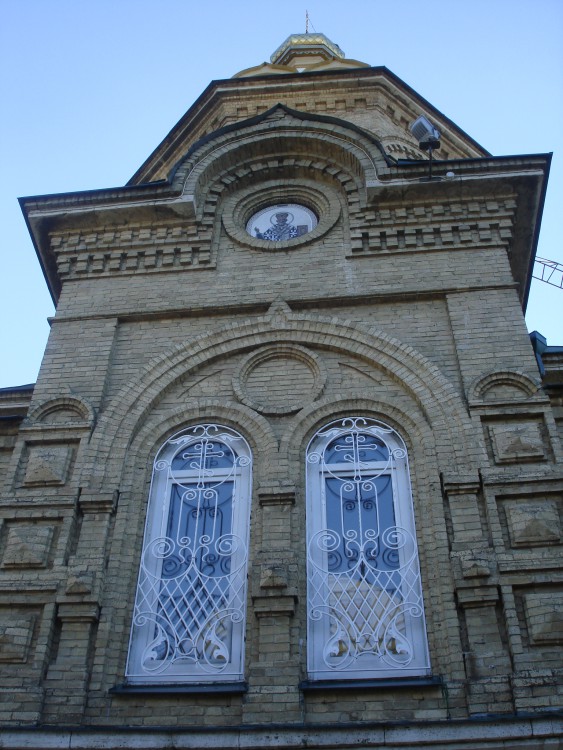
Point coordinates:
[(278, 130), (78, 410), (522, 385), (413, 427), (455, 439), (158, 427), (293, 398), (284, 155)]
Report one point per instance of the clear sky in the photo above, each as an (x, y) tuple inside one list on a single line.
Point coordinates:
[(90, 87)]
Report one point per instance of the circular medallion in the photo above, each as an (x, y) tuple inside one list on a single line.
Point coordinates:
[(281, 222), (280, 379)]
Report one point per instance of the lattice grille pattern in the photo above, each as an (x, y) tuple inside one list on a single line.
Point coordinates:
[(190, 606), (364, 590)]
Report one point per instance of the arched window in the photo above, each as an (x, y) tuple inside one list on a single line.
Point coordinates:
[(365, 608), (189, 617)]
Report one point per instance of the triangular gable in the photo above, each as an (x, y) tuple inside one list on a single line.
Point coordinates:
[(217, 104)]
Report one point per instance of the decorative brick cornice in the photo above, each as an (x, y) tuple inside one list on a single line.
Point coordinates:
[(78, 612), (436, 226), (133, 250), (276, 496), (269, 606), (481, 596)]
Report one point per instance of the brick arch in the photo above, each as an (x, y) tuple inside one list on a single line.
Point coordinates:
[(524, 386), (300, 175), (412, 427), (158, 427), (77, 406), (438, 400), (279, 131), (276, 158), (416, 431)]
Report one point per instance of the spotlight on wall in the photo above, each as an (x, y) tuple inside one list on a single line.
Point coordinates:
[(425, 133), (428, 137)]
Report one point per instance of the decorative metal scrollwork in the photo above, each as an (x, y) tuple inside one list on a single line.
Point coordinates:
[(190, 606), (364, 591)]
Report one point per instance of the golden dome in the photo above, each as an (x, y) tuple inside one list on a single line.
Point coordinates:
[(303, 53), (306, 45)]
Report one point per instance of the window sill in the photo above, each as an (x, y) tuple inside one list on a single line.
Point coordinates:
[(216, 688), (383, 684)]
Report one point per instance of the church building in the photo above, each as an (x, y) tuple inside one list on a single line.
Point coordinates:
[(291, 473)]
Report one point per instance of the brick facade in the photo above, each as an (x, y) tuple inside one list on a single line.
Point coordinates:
[(404, 304)]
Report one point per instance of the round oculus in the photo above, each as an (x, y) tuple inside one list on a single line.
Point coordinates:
[(281, 222)]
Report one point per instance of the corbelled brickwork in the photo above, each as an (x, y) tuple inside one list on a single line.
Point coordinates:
[(404, 304)]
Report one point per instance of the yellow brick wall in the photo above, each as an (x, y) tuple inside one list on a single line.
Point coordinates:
[(403, 307)]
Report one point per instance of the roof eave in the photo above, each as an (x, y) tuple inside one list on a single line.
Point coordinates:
[(528, 173), (163, 151)]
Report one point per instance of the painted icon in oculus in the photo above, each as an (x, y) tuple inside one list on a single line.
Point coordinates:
[(281, 223)]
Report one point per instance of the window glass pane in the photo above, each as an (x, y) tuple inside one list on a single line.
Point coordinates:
[(193, 598), (361, 514), (199, 524), (189, 615), (365, 613), (204, 455), (356, 448)]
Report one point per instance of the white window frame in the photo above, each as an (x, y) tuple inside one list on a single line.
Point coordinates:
[(168, 643), (365, 621)]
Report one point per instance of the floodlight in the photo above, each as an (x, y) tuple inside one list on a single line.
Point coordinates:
[(428, 138), (426, 134)]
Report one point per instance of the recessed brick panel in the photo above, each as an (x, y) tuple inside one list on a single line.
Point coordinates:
[(544, 617), (517, 442), (27, 546), (47, 464), (533, 523), (16, 632)]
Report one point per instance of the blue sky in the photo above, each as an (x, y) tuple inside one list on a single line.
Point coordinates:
[(90, 87)]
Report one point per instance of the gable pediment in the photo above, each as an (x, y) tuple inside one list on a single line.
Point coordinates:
[(277, 133), (370, 97)]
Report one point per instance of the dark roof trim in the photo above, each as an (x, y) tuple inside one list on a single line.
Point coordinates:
[(163, 187), (170, 138), (17, 388), (415, 94), (54, 292), (474, 159), (257, 119), (537, 228), (98, 193)]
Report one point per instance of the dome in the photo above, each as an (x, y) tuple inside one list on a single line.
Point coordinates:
[(303, 53), (317, 46)]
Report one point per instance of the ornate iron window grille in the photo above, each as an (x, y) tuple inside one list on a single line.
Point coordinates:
[(189, 616), (365, 607)]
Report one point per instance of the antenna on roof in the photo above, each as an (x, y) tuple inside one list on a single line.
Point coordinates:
[(308, 23)]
